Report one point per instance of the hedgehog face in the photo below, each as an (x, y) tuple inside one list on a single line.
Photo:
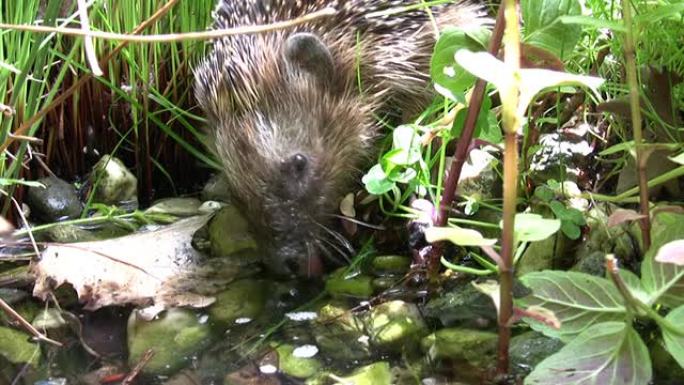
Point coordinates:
[(291, 153)]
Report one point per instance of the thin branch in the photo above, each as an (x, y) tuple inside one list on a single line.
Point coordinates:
[(26, 325)]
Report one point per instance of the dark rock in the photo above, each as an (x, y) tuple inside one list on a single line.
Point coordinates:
[(56, 201)]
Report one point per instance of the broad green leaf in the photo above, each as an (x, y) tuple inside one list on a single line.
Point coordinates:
[(543, 27), (634, 285), (674, 342), (450, 79), (533, 227), (608, 353), (579, 301), (458, 236), (17, 348), (376, 181), (544, 193), (532, 80), (664, 281)]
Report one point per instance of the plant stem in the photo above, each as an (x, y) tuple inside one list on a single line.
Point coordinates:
[(510, 98), (641, 160), (461, 154)]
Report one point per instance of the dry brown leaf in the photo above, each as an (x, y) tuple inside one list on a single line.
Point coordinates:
[(141, 269), (621, 216)]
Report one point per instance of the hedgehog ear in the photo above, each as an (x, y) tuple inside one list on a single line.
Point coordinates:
[(306, 52)]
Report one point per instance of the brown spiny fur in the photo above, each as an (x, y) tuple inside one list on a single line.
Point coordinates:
[(264, 109)]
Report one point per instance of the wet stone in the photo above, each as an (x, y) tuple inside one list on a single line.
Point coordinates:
[(298, 361), (243, 300), (58, 200), (228, 233), (343, 284), (461, 345), (395, 323), (340, 334), (529, 349), (115, 184), (179, 207), (176, 337)]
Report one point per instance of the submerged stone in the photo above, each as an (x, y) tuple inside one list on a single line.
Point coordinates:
[(391, 263), (340, 284), (395, 323), (296, 365), (243, 300), (175, 337), (374, 374), (465, 345), (340, 334)]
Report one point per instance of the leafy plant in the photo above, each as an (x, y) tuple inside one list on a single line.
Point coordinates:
[(571, 218), (596, 315)]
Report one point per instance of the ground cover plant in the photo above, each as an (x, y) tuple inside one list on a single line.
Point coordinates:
[(546, 176)]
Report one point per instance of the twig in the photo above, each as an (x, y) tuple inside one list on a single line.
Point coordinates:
[(175, 37), (146, 357), (26, 325)]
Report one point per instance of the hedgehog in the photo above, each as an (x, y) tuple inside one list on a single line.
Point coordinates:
[(293, 113)]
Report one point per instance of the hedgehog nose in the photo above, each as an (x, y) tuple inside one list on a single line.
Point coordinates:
[(296, 165)]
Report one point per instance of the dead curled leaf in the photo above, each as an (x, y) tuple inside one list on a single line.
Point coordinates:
[(621, 216), (141, 269)]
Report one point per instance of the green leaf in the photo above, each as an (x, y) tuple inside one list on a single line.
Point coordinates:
[(376, 181), (570, 230), (664, 281), (609, 353), (450, 79), (406, 147), (458, 236), (16, 348), (10, 182), (579, 300), (533, 227), (544, 193), (634, 285), (674, 342), (544, 29), (482, 124), (591, 21)]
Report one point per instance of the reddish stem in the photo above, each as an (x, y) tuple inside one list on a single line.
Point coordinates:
[(463, 146)]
